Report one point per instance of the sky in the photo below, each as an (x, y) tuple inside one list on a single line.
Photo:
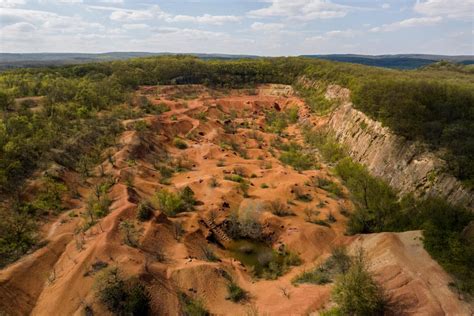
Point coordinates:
[(260, 27)]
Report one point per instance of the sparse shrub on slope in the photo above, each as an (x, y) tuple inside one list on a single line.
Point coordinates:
[(356, 292), (293, 155), (121, 296), (144, 211), (191, 306), (173, 203)]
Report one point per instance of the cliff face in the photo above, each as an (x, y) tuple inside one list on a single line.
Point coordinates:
[(405, 165)]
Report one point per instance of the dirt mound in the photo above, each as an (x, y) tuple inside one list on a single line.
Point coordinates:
[(414, 282)]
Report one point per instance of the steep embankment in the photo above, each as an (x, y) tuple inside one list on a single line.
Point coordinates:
[(407, 166)]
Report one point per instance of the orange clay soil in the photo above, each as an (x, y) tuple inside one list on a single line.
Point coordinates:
[(58, 279)]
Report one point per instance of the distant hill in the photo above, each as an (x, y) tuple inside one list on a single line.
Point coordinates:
[(27, 60), (402, 61)]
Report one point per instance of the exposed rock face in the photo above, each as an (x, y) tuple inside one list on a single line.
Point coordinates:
[(407, 166)]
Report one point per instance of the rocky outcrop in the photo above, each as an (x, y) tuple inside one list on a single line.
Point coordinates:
[(407, 166)]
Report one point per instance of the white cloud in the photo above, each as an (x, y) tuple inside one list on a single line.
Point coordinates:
[(11, 3), (341, 33), (302, 9), (386, 6), (129, 15), (59, 2), (139, 26), (189, 33), (446, 8), (112, 1), (204, 19), (267, 27), (413, 22)]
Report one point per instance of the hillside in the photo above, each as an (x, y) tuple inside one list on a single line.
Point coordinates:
[(401, 61), (172, 185)]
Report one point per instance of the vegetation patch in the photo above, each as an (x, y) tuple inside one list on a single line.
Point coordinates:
[(173, 203), (121, 296), (191, 306)]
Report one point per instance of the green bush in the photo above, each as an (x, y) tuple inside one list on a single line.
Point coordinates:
[(120, 296), (169, 202), (192, 307), (356, 292), (298, 160), (234, 177), (292, 114), (235, 292), (144, 211), (338, 263), (173, 203), (179, 143), (276, 122), (329, 186)]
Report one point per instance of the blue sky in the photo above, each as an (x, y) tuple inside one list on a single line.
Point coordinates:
[(265, 27)]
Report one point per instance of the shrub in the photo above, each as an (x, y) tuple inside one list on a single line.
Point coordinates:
[(187, 196), (276, 264), (264, 186), (130, 233), (234, 177), (192, 307), (300, 195), (279, 208), (330, 218), (122, 297), (165, 172), (209, 254), (169, 202), (213, 182), (246, 224), (292, 114), (316, 276), (235, 292), (356, 292), (294, 157), (329, 186), (179, 143), (339, 262), (144, 211), (276, 122), (244, 188)]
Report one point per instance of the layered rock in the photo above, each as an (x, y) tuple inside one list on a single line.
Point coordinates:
[(406, 165)]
